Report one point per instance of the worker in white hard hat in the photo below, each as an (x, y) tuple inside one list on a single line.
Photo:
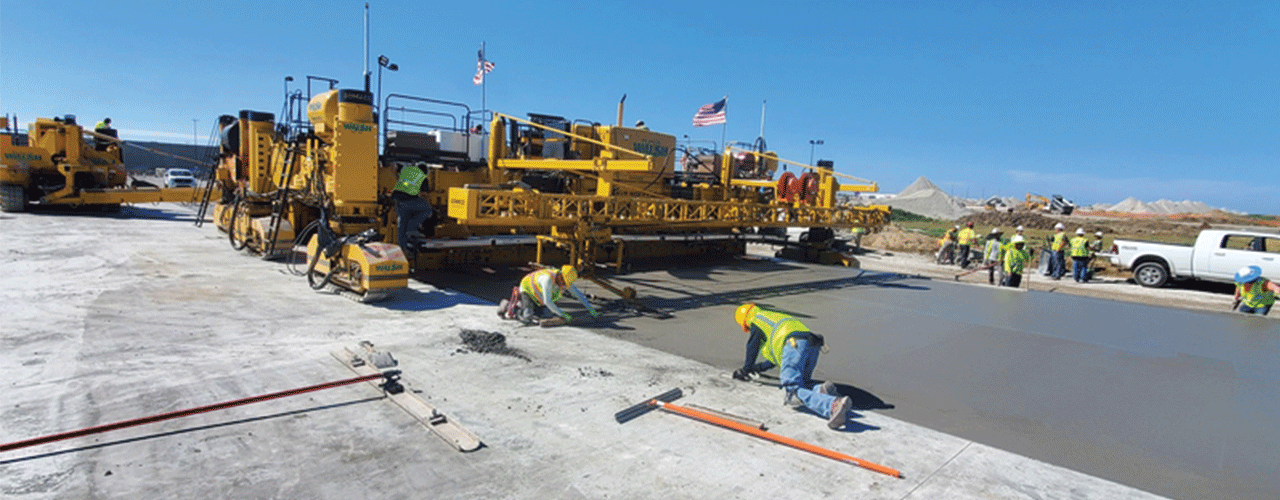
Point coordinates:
[(538, 292), (1014, 260), (1079, 256), (1058, 245), (1254, 294), (991, 254), (785, 342)]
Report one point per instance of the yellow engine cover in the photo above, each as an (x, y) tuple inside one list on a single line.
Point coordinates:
[(368, 269)]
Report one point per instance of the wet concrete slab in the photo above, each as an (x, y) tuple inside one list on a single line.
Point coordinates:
[(112, 318), (1176, 402)]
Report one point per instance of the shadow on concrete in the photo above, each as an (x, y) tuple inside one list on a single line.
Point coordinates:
[(414, 300), (193, 429), (125, 212)]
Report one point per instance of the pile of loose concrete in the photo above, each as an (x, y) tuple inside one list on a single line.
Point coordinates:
[(1162, 206), (926, 198)]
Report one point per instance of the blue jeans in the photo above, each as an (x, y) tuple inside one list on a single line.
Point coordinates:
[(1260, 311), (1079, 266), (1058, 266), (796, 375), (410, 214)]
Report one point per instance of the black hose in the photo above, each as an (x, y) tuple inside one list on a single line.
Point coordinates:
[(231, 228), (311, 275)]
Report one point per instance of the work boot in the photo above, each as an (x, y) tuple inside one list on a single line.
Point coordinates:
[(839, 412), (792, 400), (829, 388)]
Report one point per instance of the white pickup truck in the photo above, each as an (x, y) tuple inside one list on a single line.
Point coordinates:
[(1216, 256)]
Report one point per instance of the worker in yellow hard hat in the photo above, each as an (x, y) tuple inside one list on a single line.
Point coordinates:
[(538, 292), (787, 343)]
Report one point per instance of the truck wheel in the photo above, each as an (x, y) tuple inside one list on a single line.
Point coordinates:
[(13, 198), (1151, 274)]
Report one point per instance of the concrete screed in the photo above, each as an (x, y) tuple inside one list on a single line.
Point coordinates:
[(109, 318)]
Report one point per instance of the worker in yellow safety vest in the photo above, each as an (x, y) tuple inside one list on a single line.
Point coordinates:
[(947, 247), (1254, 294), (411, 209), (1058, 244), (537, 293), (964, 240), (103, 127), (785, 342), (1079, 256), (1014, 260)]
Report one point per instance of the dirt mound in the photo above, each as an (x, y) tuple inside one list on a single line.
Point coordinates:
[(893, 238), (1007, 221)]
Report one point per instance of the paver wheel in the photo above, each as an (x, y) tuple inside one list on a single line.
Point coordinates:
[(13, 198)]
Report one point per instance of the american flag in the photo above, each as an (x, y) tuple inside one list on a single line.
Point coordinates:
[(482, 67), (710, 114)]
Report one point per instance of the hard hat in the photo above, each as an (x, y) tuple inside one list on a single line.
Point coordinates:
[(568, 274), (1059, 226), (957, 226), (970, 223), (1098, 234), (1019, 228), (639, 123), (1248, 274), (740, 316), (996, 230), (1079, 230), (1017, 239)]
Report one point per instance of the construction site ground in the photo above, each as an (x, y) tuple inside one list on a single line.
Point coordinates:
[(110, 317)]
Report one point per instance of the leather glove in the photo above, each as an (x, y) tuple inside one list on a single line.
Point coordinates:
[(743, 375)]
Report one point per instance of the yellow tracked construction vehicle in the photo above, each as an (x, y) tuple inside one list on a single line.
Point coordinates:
[(53, 165), (544, 189)]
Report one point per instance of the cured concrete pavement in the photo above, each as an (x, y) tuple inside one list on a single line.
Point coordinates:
[(108, 318)]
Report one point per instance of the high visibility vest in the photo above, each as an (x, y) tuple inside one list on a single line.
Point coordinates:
[(776, 327), (101, 125), (966, 236), (1256, 294), (411, 178), (992, 251), (1079, 246), (1059, 241), (1014, 259), (529, 285)]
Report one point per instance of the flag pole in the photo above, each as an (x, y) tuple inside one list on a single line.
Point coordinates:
[(763, 103), (484, 85), (724, 125)]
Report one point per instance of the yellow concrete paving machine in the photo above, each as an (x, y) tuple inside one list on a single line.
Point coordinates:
[(543, 188), (59, 163)]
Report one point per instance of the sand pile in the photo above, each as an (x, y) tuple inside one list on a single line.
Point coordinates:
[(1162, 206), (925, 198)]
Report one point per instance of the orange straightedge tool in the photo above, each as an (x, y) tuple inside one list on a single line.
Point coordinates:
[(663, 401)]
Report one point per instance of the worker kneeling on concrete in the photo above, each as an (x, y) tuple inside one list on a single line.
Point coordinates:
[(538, 292), (1254, 293), (787, 343)]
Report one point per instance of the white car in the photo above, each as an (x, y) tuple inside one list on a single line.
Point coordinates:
[(179, 178)]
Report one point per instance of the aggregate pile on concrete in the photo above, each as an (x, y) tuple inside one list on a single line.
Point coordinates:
[(925, 198), (109, 318)]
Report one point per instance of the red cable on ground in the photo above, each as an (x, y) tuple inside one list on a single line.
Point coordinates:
[(192, 411)]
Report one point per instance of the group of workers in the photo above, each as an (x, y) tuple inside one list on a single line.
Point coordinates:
[(1005, 259)]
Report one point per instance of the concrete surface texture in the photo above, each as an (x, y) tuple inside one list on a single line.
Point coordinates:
[(108, 318)]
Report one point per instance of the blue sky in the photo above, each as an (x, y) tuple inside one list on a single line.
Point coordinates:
[(1093, 100)]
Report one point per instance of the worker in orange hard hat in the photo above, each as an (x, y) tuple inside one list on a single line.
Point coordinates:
[(538, 292), (787, 343)]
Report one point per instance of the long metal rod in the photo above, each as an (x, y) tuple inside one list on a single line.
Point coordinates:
[(188, 412), (799, 445)]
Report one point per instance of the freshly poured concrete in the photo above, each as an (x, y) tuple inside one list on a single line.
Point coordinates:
[(1181, 403), (109, 318)]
